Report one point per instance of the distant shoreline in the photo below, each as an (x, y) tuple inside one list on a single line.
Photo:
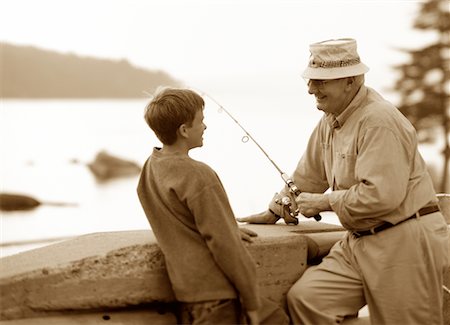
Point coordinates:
[(33, 73)]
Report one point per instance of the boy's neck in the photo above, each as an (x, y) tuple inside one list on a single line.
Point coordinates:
[(175, 148)]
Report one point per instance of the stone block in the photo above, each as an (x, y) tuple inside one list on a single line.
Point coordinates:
[(107, 271), (96, 318)]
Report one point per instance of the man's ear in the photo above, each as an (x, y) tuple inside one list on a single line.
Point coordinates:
[(350, 82), (182, 131)]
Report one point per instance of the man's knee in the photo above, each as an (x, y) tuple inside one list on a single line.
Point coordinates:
[(297, 293), (291, 297)]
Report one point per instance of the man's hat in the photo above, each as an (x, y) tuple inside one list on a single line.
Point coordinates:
[(334, 59)]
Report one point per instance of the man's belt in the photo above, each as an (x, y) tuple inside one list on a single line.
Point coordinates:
[(387, 225)]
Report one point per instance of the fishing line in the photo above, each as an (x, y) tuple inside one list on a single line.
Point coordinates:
[(148, 94), (247, 135), (446, 289), (289, 182)]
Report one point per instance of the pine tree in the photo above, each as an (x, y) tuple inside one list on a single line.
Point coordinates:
[(424, 83)]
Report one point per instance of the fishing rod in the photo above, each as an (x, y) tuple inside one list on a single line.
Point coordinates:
[(285, 201)]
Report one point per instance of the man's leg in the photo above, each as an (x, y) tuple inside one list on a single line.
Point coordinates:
[(403, 271), (330, 291)]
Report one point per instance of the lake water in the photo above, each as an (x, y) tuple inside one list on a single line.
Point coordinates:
[(46, 144)]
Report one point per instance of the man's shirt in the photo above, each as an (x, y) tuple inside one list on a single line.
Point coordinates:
[(368, 156)]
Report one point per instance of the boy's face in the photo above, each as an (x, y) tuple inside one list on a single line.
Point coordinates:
[(196, 130)]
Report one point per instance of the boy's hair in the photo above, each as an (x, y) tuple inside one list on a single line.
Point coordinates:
[(170, 108)]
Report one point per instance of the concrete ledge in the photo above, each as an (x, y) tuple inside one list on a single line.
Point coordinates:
[(103, 271), (116, 317), (88, 272), (121, 273)]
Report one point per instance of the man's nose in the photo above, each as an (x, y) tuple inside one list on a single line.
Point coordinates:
[(312, 87)]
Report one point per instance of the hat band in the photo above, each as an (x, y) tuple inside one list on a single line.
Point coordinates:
[(334, 64)]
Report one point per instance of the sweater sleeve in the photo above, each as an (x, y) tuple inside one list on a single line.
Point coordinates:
[(215, 221)]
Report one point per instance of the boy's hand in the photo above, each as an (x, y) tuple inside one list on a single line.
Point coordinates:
[(266, 217), (252, 317), (247, 234)]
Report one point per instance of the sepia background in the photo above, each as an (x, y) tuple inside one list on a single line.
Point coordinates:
[(76, 76)]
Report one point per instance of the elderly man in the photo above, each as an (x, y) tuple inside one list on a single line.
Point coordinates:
[(362, 162)]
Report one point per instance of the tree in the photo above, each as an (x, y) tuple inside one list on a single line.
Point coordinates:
[(424, 83)]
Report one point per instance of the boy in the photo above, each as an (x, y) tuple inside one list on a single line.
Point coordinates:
[(211, 272)]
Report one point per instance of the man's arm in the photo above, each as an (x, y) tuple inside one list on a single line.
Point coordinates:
[(311, 204), (265, 217)]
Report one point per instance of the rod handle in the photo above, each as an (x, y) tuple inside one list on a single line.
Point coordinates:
[(297, 192)]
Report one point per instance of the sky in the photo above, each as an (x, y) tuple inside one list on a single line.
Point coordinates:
[(213, 44)]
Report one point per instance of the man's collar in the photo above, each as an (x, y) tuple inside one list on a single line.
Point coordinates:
[(332, 121)]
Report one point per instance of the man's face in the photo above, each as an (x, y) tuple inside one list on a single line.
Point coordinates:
[(196, 130), (331, 95)]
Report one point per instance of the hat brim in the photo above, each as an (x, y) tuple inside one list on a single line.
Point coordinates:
[(335, 73)]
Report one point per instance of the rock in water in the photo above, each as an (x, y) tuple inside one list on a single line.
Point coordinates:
[(106, 166), (13, 202)]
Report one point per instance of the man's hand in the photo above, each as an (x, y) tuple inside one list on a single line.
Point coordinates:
[(265, 217), (247, 234), (310, 204), (278, 203)]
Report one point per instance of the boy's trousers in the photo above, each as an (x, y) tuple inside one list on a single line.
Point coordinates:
[(398, 272), (229, 311)]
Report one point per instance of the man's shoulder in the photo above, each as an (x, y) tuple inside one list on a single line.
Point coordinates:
[(380, 113), (378, 110), (377, 101)]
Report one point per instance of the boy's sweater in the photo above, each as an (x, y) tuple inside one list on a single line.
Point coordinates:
[(191, 217)]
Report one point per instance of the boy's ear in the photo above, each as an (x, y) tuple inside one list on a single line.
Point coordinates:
[(182, 130)]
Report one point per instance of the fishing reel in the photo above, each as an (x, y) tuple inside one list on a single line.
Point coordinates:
[(286, 209)]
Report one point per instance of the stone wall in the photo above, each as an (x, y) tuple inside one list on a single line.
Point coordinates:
[(121, 276)]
